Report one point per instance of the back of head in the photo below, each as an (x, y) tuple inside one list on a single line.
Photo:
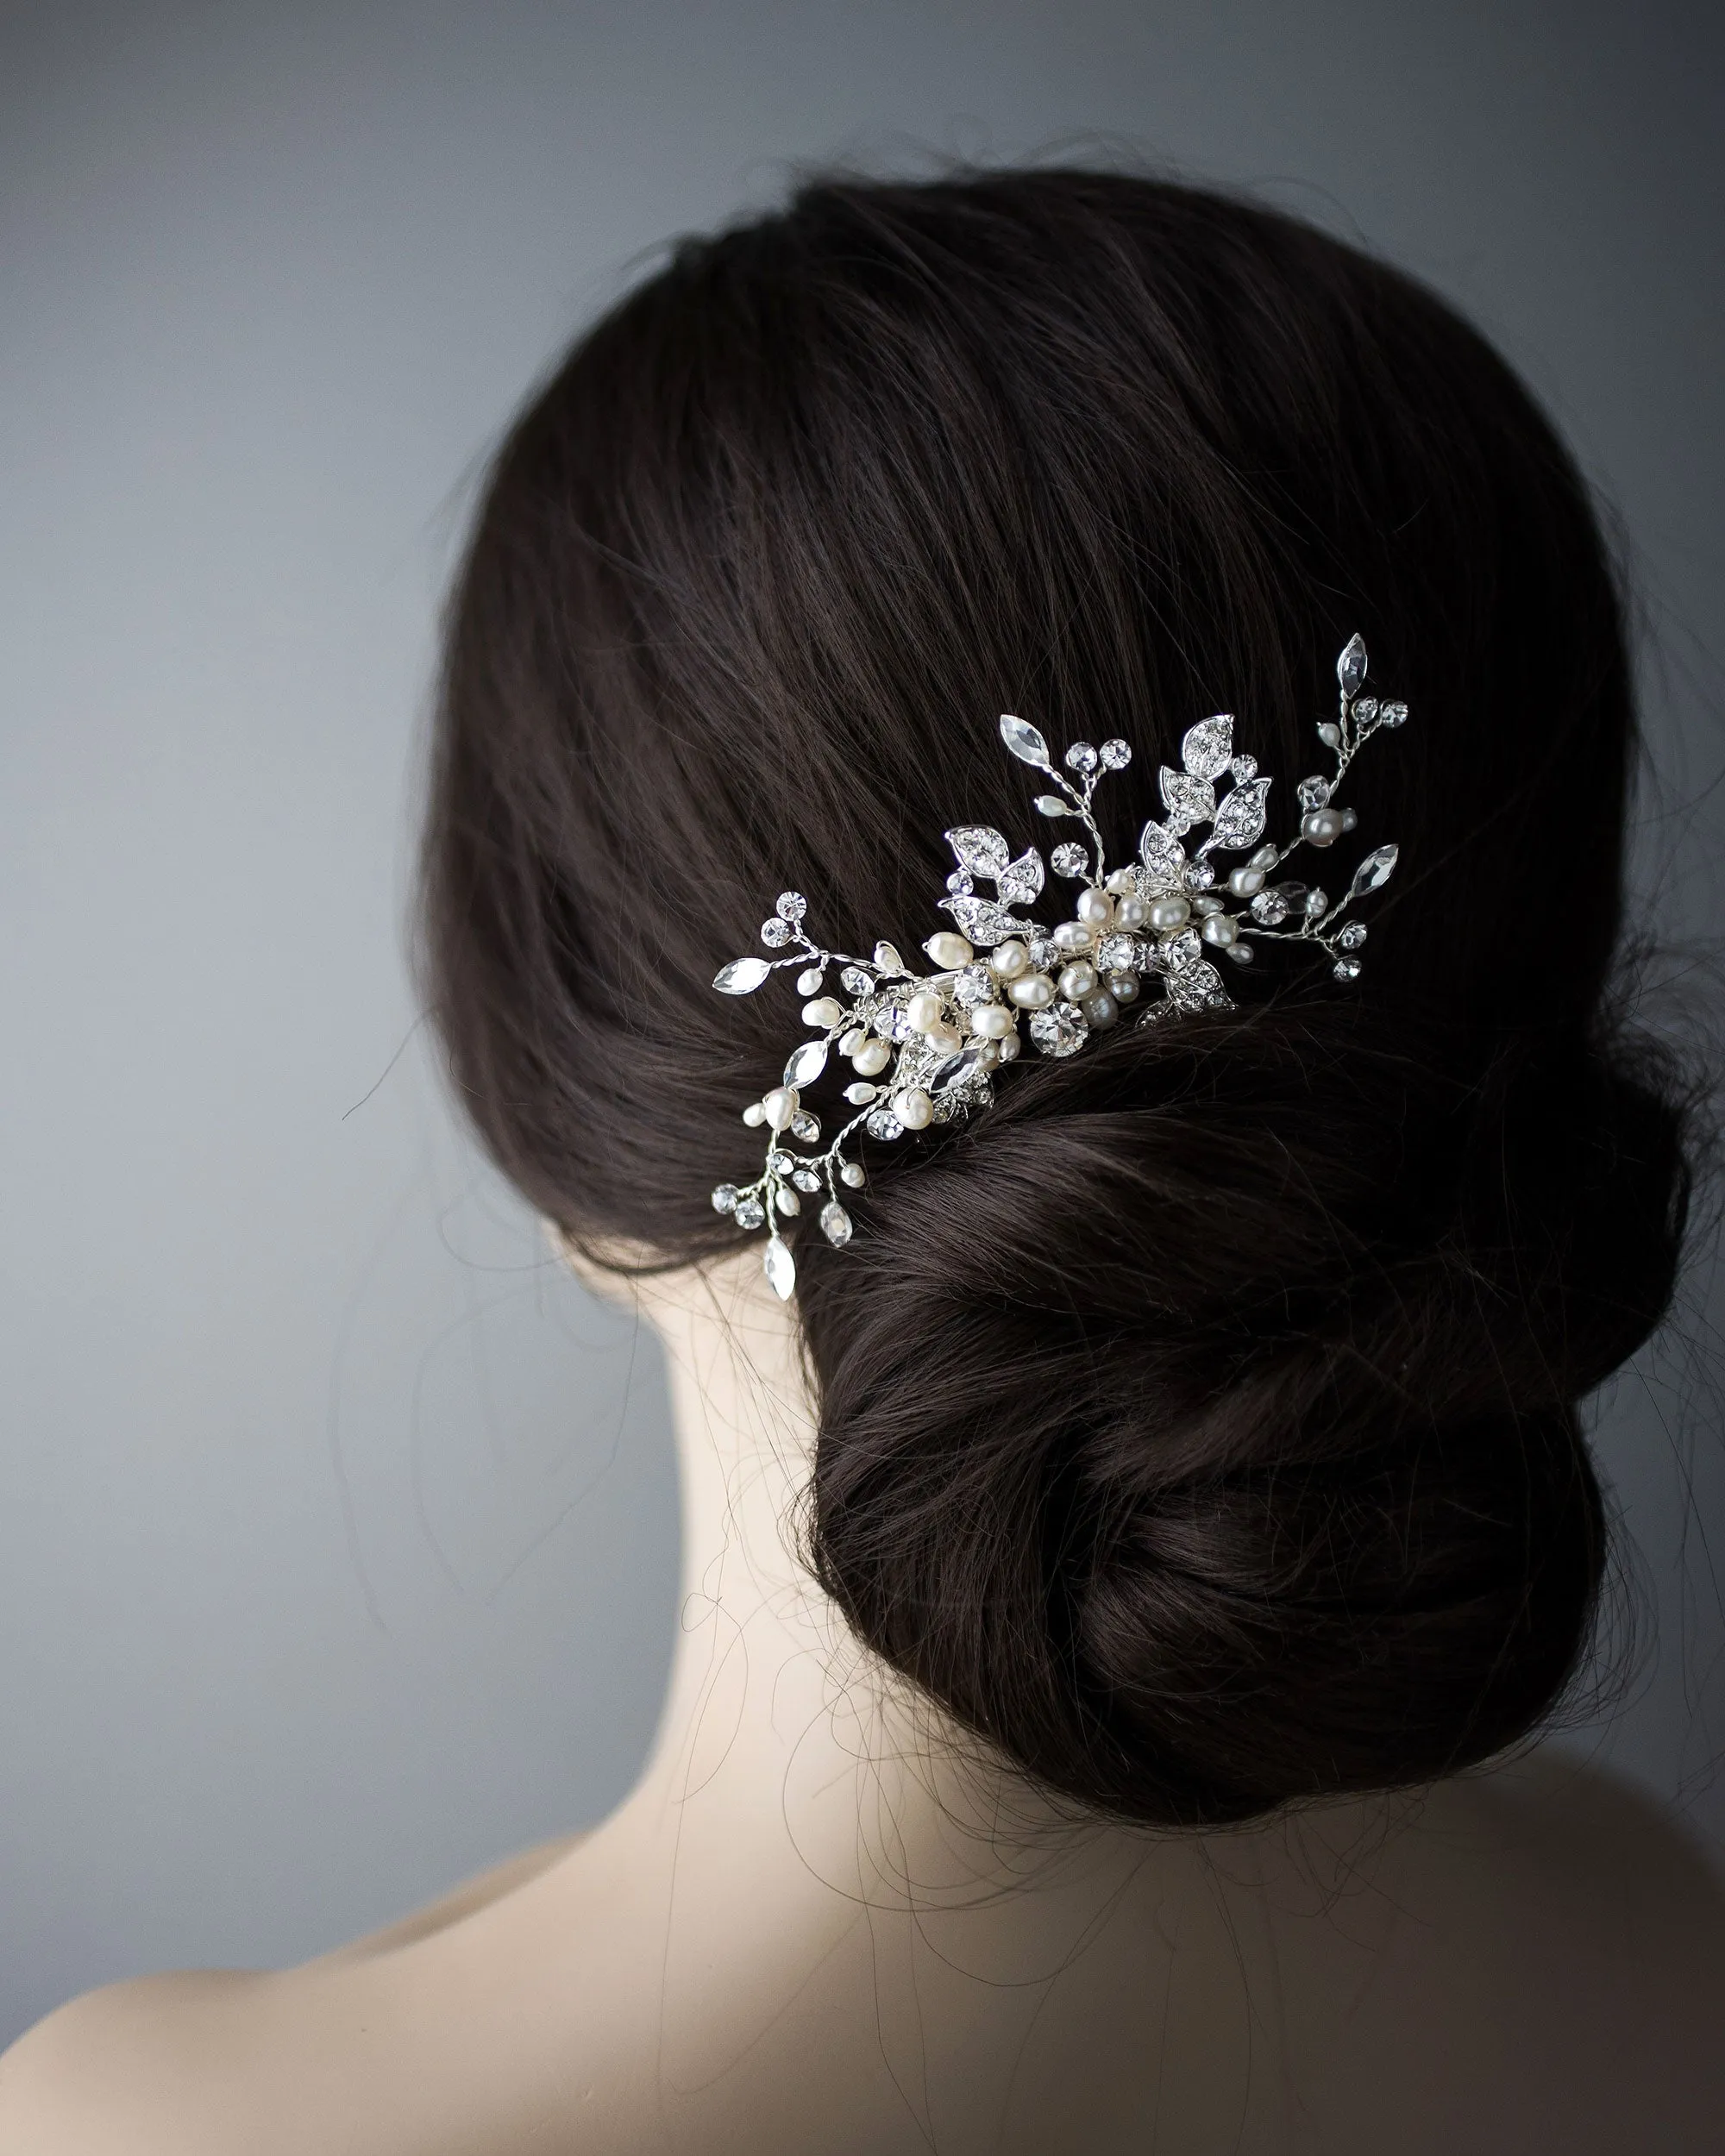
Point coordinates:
[(1198, 1422)]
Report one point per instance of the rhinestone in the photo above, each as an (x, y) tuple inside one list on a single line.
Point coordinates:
[(884, 1124), (974, 986), (1081, 756), (1314, 793), (805, 1126), (750, 1213), (781, 1163), (1069, 860), (775, 932), (1116, 755), (1043, 951), (1352, 936), (1366, 710), (1120, 954), (792, 906), (959, 883), (1060, 1030), (1183, 951), (1351, 666), (724, 1198), (1244, 767), (1200, 875), (1346, 969), (1270, 907), (806, 1181), (1392, 714), (856, 981), (835, 1225)]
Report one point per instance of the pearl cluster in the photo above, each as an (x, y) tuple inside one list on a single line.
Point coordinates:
[(923, 1048)]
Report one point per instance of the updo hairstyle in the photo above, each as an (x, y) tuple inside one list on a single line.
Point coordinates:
[(1199, 1423)]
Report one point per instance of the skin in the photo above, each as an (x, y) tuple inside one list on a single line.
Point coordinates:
[(817, 1923)]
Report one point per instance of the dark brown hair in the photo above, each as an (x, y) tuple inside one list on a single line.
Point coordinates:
[(1200, 1423)]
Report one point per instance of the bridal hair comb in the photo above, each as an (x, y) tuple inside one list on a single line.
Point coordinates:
[(923, 1048)]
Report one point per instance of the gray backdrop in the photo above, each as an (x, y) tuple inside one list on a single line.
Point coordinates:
[(337, 1531)]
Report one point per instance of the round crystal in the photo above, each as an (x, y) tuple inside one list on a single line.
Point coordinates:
[(1043, 951), (835, 1225), (856, 982), (806, 1181), (1244, 767), (781, 1163), (1200, 875), (1314, 793), (792, 906), (1392, 714), (750, 1213), (805, 1126), (1060, 1030), (724, 1198), (1346, 969), (1352, 936), (974, 986), (1270, 907), (775, 932), (959, 883), (1116, 755), (1120, 954), (884, 1124), (1081, 756), (1069, 860), (1366, 710)]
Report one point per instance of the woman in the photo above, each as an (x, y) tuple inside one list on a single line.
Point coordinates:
[(1125, 1556)]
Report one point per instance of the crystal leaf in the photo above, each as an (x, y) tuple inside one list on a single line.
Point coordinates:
[(955, 1071), (980, 849), (805, 1065), (1207, 748), (1069, 860), (982, 921), (1198, 988), (1239, 820), (1351, 666), (782, 1268), (1023, 739), (741, 975), (1164, 858), (1190, 799), (1051, 804), (887, 959), (1020, 880), (1375, 871), (835, 1225)]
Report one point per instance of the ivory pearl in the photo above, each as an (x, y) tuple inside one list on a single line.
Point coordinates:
[(913, 1108), (1265, 858), (949, 950), (1100, 1008), (944, 1038), (1123, 987), (1031, 992), (1166, 914), (1208, 902), (1007, 1047), (788, 1202), (1095, 908), (808, 983), (991, 1020), (1130, 912), (923, 1010), (871, 1059), (823, 1011), (1322, 827), (853, 1174), (1120, 883), (850, 1042), (779, 1105), (1350, 821), (1220, 929), (1073, 935), (1010, 959), (1245, 883), (754, 1115), (1078, 981)]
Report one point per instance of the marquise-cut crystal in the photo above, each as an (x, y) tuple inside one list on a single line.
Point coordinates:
[(1023, 739), (1376, 870), (806, 1064), (1351, 666), (1060, 1030), (741, 975), (1069, 860), (835, 1225), (955, 1069), (1205, 747), (781, 1269)]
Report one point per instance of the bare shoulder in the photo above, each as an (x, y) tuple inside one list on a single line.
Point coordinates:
[(134, 2068)]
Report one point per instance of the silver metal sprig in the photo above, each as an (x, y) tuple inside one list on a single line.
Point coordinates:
[(923, 1047)]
